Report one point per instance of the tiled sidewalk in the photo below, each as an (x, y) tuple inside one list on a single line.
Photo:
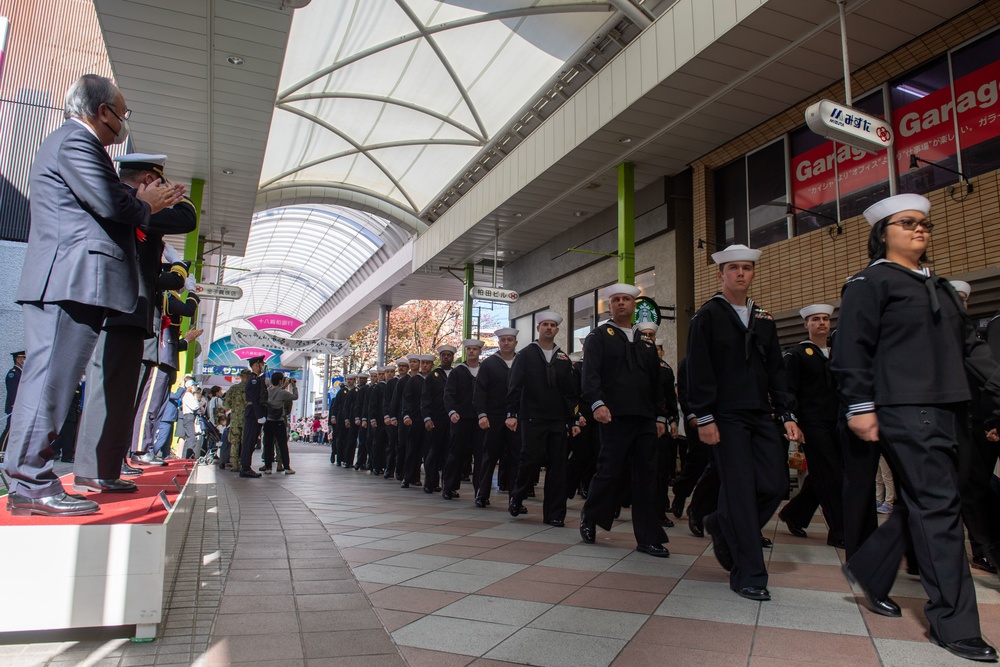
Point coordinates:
[(409, 577)]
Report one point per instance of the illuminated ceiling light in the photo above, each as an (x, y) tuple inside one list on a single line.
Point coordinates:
[(235, 60)]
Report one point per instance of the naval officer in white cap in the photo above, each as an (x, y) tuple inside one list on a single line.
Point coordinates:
[(735, 380), (903, 344)]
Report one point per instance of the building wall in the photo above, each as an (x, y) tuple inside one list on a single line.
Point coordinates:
[(812, 267)]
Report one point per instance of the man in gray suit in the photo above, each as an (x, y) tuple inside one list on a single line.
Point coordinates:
[(79, 266)]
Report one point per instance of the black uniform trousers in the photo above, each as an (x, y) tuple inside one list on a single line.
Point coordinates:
[(391, 445), (622, 439), (105, 433), (824, 486), (402, 442), (977, 458), (543, 442), (251, 431), (154, 387), (415, 434), (459, 450), (583, 451), (361, 457), (666, 462), (3, 437), (705, 497), (350, 445), (920, 441), (435, 449), (62, 338), (498, 442), (698, 457), (752, 463), (380, 439), (275, 434)]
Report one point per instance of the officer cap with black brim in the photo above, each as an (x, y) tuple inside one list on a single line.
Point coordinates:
[(143, 162)]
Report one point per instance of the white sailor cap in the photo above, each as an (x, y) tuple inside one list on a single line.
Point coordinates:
[(472, 342), (447, 348), (892, 205), (962, 286), (373, 371), (620, 288), (505, 332), (402, 361), (351, 376), (414, 358), (736, 253), (548, 316), (425, 357), (143, 162), (646, 325), (388, 368), (816, 309)]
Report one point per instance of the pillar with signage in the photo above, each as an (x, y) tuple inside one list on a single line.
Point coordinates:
[(193, 247), (467, 304)]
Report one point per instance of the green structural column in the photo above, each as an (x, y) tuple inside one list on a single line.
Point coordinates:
[(626, 223), (470, 272), (193, 248)]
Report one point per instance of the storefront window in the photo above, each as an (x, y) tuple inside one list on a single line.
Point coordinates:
[(976, 68), (525, 329), (767, 195), (582, 309), (731, 204)]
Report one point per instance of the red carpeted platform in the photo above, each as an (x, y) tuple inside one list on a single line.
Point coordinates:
[(141, 507)]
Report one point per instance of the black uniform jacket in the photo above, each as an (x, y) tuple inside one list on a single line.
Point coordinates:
[(432, 395), (622, 374), (337, 404), (375, 404), (358, 407), (669, 395), (347, 407), (396, 406), (13, 381), (170, 342), (256, 395), (810, 380), (410, 406), (491, 387), (390, 388), (682, 397), (540, 389), (902, 338), (458, 392), (734, 367)]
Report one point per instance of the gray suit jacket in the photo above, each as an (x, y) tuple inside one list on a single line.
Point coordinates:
[(81, 245)]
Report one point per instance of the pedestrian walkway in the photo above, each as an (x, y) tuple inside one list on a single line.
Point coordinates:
[(336, 567)]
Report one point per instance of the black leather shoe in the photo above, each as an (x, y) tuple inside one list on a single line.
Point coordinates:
[(61, 504), (677, 506), (832, 542), (754, 593), (583, 491), (694, 525), (428, 489), (973, 648), (404, 485), (556, 523), (666, 522), (147, 460), (436, 489), (129, 471), (793, 528), (588, 531), (480, 503), (90, 485), (657, 550), (719, 545), (765, 542), (448, 495), (516, 508), (983, 563), (249, 473), (886, 607)]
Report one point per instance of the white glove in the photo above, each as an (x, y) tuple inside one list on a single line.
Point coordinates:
[(189, 283), (170, 254), (262, 420)]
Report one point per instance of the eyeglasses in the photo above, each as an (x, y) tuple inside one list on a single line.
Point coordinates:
[(125, 115), (909, 224)]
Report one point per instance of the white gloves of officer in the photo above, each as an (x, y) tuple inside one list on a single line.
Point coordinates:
[(170, 255), (189, 283), (262, 420)]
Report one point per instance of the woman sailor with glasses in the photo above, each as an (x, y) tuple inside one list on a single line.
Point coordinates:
[(902, 346)]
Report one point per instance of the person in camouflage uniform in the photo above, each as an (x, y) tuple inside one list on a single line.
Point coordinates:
[(234, 401)]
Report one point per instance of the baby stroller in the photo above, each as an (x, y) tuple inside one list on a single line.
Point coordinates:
[(210, 438)]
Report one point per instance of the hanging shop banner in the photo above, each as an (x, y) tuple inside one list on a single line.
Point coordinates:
[(813, 172), (849, 126), (251, 338), (277, 321), (493, 294)]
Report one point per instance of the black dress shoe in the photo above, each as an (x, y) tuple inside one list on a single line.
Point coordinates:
[(793, 528), (556, 523), (973, 648), (448, 495), (404, 485), (754, 593), (250, 473), (886, 607), (694, 525), (666, 522), (719, 545), (677, 506), (129, 471), (147, 460), (983, 563), (657, 550), (583, 491), (833, 542), (516, 508), (61, 504), (588, 531), (91, 485), (436, 489), (765, 542), (428, 489), (480, 502)]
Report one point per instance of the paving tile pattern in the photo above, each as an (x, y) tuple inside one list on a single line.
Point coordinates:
[(337, 567)]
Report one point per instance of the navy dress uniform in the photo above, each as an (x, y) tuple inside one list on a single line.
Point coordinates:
[(254, 415), (903, 344), (542, 405), (11, 382), (622, 374), (333, 417), (415, 432), (436, 419), (459, 392), (735, 379), (390, 418), (490, 400)]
